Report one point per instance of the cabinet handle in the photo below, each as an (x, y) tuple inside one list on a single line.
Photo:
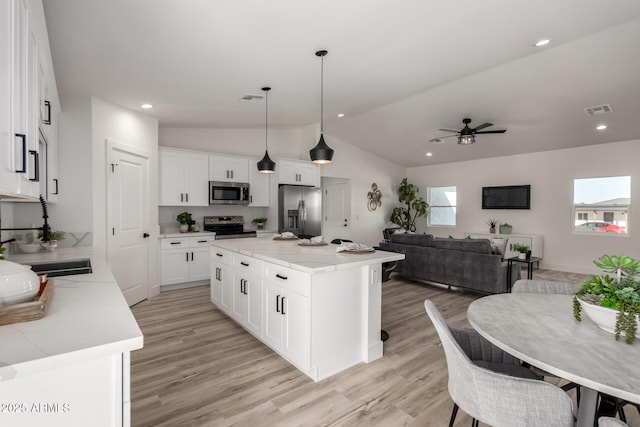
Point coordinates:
[(278, 303), (23, 137), (202, 241), (218, 254), (251, 199), (181, 197), (36, 166), (244, 263), (217, 273), (56, 182), (187, 254), (282, 306), (279, 276), (174, 243), (191, 256), (47, 121), (231, 174)]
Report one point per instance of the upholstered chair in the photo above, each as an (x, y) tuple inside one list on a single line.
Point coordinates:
[(496, 398), (611, 422), (529, 286)]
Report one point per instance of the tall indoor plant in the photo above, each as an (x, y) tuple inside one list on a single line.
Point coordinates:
[(620, 293), (414, 207)]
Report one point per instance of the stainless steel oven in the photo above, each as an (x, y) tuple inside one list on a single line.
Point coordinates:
[(228, 193)]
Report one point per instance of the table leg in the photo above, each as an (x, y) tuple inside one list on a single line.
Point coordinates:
[(588, 407), (529, 270), (509, 264)]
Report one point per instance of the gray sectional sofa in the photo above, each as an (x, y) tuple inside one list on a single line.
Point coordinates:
[(466, 263)]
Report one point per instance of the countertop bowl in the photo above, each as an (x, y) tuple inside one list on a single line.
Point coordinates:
[(18, 283), (29, 248)]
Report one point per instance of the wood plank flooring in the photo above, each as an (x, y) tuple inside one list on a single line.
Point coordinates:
[(198, 368)]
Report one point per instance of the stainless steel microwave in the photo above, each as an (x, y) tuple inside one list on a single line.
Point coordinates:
[(228, 193)]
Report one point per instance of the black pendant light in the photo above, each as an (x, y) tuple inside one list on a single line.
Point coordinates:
[(321, 153), (266, 165)]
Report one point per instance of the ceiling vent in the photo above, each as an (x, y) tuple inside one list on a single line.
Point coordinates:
[(598, 109), (251, 98), (437, 141)]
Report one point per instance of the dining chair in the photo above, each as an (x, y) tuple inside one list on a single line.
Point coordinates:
[(510, 396), (611, 422), (535, 286)]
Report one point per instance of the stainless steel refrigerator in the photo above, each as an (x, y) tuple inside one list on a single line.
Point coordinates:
[(300, 210)]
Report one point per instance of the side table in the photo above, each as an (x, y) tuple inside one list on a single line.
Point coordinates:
[(529, 261)]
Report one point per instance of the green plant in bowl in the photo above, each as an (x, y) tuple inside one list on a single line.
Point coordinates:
[(53, 235)]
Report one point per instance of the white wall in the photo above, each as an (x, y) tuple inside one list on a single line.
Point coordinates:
[(551, 176)]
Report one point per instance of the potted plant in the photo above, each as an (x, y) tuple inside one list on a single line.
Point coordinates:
[(605, 298), (415, 207), (54, 238), (185, 220), (492, 222), (524, 252), (259, 222)]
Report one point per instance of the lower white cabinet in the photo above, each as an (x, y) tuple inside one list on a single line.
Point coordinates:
[(221, 292), (246, 290), (185, 259), (534, 242)]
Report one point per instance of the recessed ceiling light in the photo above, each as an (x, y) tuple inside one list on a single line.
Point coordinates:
[(340, 114), (542, 42), (146, 106), (429, 154), (601, 127)]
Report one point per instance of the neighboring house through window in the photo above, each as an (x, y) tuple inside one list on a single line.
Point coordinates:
[(601, 204), (442, 205)]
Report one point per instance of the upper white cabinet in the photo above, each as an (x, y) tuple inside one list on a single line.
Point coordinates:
[(25, 80), (259, 184), (228, 168), (298, 172), (184, 178)]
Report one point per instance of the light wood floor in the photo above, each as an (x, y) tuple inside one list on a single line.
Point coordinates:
[(198, 368)]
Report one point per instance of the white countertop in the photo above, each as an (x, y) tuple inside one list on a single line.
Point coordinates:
[(172, 234), (87, 318), (309, 259)]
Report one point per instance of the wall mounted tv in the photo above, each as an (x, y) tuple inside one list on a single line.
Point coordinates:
[(507, 197)]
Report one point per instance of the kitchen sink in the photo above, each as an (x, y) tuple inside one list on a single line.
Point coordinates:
[(63, 268)]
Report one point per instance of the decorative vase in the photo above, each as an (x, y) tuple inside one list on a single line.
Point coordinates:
[(184, 228), (261, 226), (505, 229), (528, 255), (492, 230), (522, 255), (604, 317)]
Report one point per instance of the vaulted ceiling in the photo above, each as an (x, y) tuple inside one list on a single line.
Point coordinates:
[(398, 71)]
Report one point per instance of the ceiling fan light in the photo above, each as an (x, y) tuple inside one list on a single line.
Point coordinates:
[(321, 154), (266, 165), (466, 139)]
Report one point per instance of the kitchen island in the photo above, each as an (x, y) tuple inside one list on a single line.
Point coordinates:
[(71, 367), (319, 309)]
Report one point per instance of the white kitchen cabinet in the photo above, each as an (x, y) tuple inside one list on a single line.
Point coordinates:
[(259, 186), (298, 172), (184, 177), (228, 168), (532, 240), (9, 179), (221, 294), (184, 259), (247, 293)]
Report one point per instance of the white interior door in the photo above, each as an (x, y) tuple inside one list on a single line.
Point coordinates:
[(337, 209), (128, 220)]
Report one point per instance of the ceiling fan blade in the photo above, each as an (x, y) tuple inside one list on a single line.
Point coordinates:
[(449, 130), (482, 126), (493, 131)]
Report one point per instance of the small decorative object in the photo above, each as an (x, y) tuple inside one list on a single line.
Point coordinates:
[(19, 283), (184, 218), (374, 197), (259, 222), (405, 217), (523, 249), (612, 303), (492, 222), (505, 228), (54, 238), (1, 253)]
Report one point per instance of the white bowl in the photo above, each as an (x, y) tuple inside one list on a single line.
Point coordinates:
[(18, 283), (29, 248), (604, 317)]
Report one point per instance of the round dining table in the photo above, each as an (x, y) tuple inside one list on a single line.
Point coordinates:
[(540, 329)]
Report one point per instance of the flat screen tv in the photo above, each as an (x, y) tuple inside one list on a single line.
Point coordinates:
[(507, 197)]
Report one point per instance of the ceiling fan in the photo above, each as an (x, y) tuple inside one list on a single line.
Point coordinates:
[(466, 135)]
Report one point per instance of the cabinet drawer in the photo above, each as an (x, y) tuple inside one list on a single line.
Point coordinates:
[(247, 265), (196, 242), (288, 278), (221, 255), (173, 243)]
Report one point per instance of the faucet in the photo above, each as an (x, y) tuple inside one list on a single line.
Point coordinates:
[(46, 230)]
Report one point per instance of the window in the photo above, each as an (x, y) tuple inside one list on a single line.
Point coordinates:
[(442, 206), (601, 204)]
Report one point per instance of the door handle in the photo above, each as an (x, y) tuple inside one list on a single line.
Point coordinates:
[(36, 166), (145, 235), (23, 137)]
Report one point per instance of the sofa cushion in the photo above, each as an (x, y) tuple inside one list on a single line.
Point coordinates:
[(481, 246), (412, 239)]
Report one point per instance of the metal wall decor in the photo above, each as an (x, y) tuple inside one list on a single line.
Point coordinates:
[(375, 197)]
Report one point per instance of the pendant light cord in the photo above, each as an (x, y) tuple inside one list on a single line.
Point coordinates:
[(266, 118), (322, 94)]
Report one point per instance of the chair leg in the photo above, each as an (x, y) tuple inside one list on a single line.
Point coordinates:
[(453, 414), (474, 423)]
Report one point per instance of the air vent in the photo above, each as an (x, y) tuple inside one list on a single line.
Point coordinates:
[(251, 98), (598, 109), (437, 141)]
